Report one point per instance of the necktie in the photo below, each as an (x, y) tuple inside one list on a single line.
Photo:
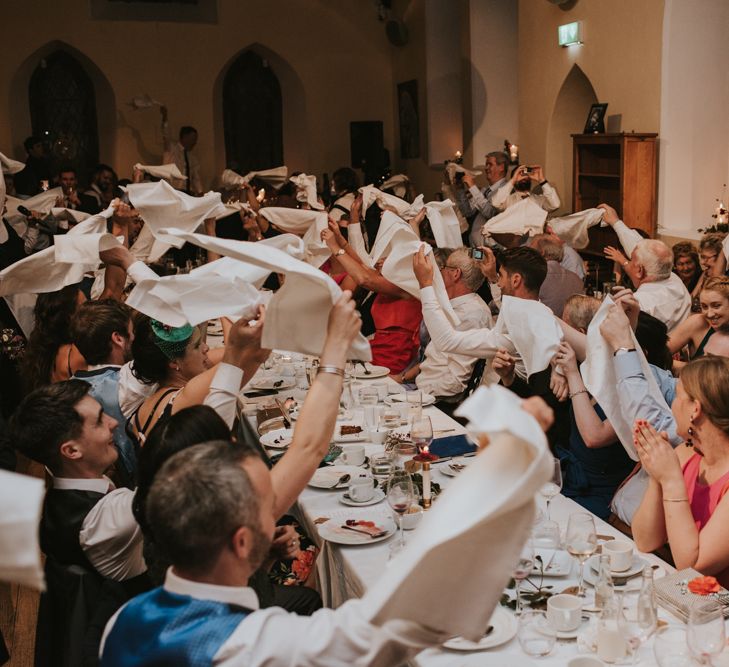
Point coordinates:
[(187, 172)]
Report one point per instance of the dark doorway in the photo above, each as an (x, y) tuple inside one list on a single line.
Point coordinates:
[(252, 116)]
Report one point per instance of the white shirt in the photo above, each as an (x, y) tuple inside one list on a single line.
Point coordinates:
[(667, 300), (110, 536), (446, 374), (504, 197), (273, 637), (572, 261), (175, 153)]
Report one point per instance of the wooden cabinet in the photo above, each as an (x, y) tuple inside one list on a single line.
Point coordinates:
[(621, 170)]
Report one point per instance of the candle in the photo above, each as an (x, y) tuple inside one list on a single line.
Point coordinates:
[(426, 483), (514, 152), (722, 215), (458, 154)]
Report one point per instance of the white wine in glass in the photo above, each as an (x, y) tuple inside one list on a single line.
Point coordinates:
[(581, 541), (553, 486)]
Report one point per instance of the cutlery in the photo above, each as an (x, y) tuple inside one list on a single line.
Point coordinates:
[(364, 365), (365, 532), (448, 458), (284, 413), (277, 384), (342, 480)]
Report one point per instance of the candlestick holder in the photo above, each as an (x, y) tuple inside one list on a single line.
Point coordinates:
[(425, 458)]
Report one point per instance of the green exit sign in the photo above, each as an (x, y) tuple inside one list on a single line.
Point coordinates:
[(570, 33)]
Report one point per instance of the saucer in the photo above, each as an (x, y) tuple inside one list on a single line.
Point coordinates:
[(378, 497)]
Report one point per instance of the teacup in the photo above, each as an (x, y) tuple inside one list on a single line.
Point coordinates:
[(620, 553), (564, 612), (361, 489), (353, 455), (412, 517)]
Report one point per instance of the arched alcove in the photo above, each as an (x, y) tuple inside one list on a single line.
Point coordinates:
[(568, 117), (293, 119), (103, 95)]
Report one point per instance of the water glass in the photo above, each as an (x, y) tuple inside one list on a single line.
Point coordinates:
[(670, 648), (706, 636), (535, 636), (581, 541), (522, 569), (368, 396), (415, 403), (381, 466), (554, 485), (545, 535)]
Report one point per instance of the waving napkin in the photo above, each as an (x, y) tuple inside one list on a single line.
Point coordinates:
[(525, 216), (397, 183), (572, 229), (478, 526), (302, 221), (452, 169), (296, 318), (598, 373), (371, 195), (43, 202), (532, 328), (390, 224), (21, 498), (10, 166), (275, 177), (444, 223), (161, 170), (69, 214), (307, 190)]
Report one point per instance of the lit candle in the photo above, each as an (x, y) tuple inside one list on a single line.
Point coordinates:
[(261, 194), (514, 152), (722, 215), (458, 154), (426, 479)]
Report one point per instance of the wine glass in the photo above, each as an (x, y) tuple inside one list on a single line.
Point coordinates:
[(421, 433), (581, 541), (522, 570), (639, 623), (670, 648), (535, 637), (706, 635), (553, 486), (400, 496)]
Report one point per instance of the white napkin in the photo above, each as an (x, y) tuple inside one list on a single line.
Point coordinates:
[(598, 373), (21, 498), (452, 168), (524, 216), (444, 223), (43, 202), (307, 190), (371, 195), (302, 221), (10, 166), (69, 214), (390, 224), (143, 102), (160, 205), (193, 298), (397, 183), (572, 229), (161, 170), (275, 177), (532, 328), (478, 526), (297, 315), (398, 269)]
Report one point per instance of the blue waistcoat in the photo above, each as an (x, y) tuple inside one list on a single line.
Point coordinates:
[(105, 389), (160, 628)]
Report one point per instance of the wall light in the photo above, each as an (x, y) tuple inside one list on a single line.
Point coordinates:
[(570, 33)]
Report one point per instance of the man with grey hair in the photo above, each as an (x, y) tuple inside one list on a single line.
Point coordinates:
[(445, 374), (560, 283), (211, 509), (476, 204)]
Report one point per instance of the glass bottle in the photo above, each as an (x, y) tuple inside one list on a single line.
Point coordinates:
[(611, 644), (647, 608), (604, 589)]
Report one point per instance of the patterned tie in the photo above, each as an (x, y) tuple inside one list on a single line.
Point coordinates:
[(187, 172)]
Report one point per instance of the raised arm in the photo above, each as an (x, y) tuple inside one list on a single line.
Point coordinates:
[(686, 331)]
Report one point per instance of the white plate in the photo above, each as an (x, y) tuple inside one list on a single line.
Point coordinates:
[(559, 565), (428, 399), (273, 383), (636, 566), (351, 437), (504, 623), (351, 538), (378, 497), (279, 439), (374, 371), (633, 584), (566, 634), (323, 478), (446, 469)]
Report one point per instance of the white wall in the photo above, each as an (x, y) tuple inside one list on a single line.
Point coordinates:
[(694, 139)]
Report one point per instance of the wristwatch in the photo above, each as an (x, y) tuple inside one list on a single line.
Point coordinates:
[(340, 252), (623, 350)]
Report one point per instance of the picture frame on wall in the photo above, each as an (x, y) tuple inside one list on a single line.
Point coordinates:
[(409, 119), (595, 123)]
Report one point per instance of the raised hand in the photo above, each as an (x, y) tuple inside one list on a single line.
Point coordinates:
[(504, 364), (610, 216), (423, 268), (615, 255)]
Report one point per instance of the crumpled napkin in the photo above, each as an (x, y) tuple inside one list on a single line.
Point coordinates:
[(452, 169), (306, 185), (43, 202), (161, 170), (397, 183), (10, 166), (372, 195), (443, 221), (572, 229), (526, 216), (302, 221), (275, 177)]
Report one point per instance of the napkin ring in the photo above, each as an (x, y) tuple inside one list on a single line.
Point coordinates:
[(331, 369)]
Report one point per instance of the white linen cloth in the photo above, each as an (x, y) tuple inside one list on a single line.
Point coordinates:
[(598, 373), (10, 166), (452, 169), (302, 221), (444, 223), (572, 229), (478, 526), (194, 298), (306, 185), (390, 224), (275, 177), (667, 300), (526, 216), (532, 328), (397, 183), (69, 214), (43, 202), (21, 498), (165, 171), (371, 195), (296, 317)]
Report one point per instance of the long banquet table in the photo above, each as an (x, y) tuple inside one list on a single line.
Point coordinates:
[(346, 571)]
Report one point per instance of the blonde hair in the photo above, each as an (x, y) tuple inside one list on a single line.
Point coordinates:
[(579, 310), (706, 380), (718, 284)]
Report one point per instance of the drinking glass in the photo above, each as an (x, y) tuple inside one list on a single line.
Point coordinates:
[(670, 648), (581, 541), (553, 486), (545, 535), (415, 403), (400, 496), (706, 635), (639, 624), (522, 569), (421, 433), (368, 396), (535, 637)]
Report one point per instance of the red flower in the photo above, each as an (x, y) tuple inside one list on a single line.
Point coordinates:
[(302, 564), (704, 585)]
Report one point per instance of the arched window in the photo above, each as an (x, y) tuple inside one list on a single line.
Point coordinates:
[(252, 116), (63, 110)]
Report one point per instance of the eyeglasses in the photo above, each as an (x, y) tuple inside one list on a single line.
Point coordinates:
[(708, 258), (452, 268)]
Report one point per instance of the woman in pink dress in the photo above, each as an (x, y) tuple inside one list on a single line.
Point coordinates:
[(686, 503)]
